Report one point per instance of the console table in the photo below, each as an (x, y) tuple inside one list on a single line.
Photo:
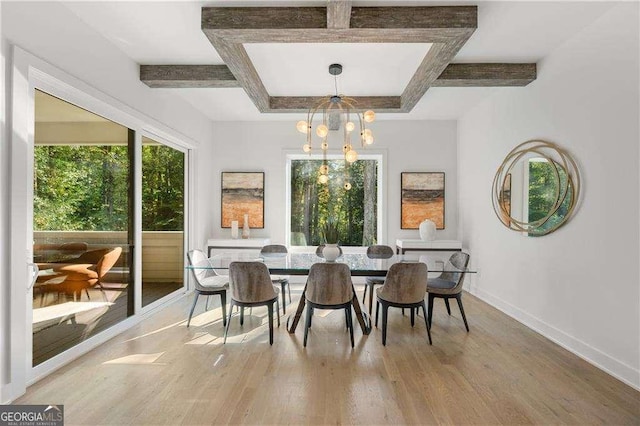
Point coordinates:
[(403, 246), (230, 244)]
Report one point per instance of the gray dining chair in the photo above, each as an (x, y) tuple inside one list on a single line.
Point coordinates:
[(449, 284), (404, 287), (375, 252), (329, 286), (282, 280), (207, 283), (250, 286)]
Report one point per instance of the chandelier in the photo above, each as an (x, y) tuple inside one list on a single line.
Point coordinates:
[(337, 111)]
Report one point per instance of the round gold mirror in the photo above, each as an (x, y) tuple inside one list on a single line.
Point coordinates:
[(536, 188)]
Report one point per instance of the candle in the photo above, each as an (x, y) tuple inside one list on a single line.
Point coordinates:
[(234, 229)]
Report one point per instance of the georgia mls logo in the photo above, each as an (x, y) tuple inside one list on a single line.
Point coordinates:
[(32, 415)]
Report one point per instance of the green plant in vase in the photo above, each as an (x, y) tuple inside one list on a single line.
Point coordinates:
[(331, 236), (330, 232)]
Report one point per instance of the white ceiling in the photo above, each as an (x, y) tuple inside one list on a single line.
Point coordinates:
[(169, 33)]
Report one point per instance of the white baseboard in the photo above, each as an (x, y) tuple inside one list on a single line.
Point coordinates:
[(612, 366)]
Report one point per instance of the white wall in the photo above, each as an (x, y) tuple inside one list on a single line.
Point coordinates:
[(51, 32), (580, 285), (410, 146)]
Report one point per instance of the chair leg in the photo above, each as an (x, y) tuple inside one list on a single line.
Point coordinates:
[(283, 285), (223, 302), (271, 323), (311, 319), (385, 308), (370, 299), (289, 288), (278, 311), (307, 324), (430, 314), (464, 317), (364, 295), (377, 310), (350, 323), (242, 315), (86, 290), (195, 300), (446, 303), (402, 311), (413, 317), (206, 304), (426, 323), (346, 319), (226, 329)]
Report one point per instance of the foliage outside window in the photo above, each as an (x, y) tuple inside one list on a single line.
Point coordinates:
[(84, 188), (314, 204)]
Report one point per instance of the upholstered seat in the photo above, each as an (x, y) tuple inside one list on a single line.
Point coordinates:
[(251, 285), (439, 283), (329, 286), (449, 285), (404, 287), (283, 280), (215, 281), (207, 283), (375, 252), (86, 271)]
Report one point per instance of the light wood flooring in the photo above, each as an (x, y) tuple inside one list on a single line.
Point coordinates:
[(160, 372)]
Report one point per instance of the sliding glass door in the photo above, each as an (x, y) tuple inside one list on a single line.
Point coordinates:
[(82, 225), (163, 220)]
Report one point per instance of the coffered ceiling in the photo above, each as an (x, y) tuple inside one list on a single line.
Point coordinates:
[(274, 60), (443, 29)]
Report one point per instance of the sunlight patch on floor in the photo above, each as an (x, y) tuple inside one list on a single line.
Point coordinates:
[(137, 359)]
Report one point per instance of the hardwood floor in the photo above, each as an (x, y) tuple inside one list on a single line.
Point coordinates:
[(501, 372)]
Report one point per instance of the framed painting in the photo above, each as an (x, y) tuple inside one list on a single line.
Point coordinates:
[(422, 197), (243, 193)]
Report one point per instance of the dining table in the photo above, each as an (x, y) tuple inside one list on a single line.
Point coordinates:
[(297, 263)]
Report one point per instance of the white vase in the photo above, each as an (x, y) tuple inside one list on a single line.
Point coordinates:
[(331, 252), (234, 229), (427, 230), (245, 228)]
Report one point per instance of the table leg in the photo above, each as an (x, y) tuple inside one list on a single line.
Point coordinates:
[(363, 319), (291, 328)]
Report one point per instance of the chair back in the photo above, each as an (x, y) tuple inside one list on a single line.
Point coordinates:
[(329, 284), (321, 247), (197, 257), (107, 261), (250, 282), (455, 268), (274, 249), (406, 282), (379, 252)]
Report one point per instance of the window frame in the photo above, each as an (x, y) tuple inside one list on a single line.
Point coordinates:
[(378, 155)]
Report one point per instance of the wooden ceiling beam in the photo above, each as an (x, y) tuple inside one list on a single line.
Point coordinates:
[(415, 17), (304, 103), (338, 14), (486, 75), (187, 76), (433, 64), (236, 58), (454, 75), (263, 18), (309, 18)]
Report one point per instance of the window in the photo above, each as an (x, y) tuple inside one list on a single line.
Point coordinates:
[(312, 204)]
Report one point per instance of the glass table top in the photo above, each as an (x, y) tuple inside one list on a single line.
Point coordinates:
[(299, 263)]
